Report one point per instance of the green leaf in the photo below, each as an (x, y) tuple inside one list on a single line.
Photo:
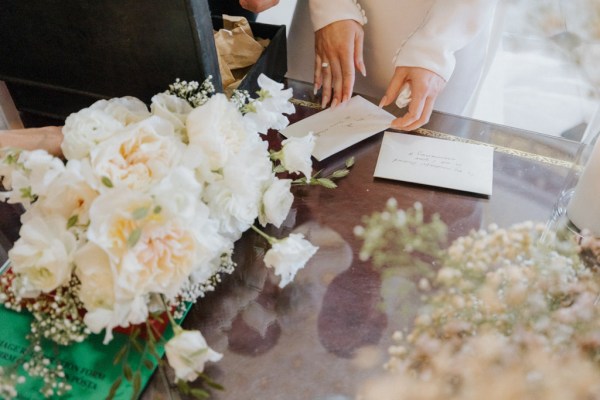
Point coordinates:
[(138, 347), (26, 193), (72, 221), (139, 213), (340, 173), (157, 210), (148, 364), (183, 386), (349, 162), (127, 372), (199, 393), (137, 384), (325, 182), (278, 169), (107, 182), (120, 354), (134, 237), (113, 388)]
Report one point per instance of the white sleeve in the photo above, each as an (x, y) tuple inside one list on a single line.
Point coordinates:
[(324, 12), (448, 27)]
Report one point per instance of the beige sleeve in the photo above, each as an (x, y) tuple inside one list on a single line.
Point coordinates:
[(324, 12)]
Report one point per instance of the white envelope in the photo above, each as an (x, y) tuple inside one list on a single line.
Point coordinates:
[(339, 128), (436, 162)]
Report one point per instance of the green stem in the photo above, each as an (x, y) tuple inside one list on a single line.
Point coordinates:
[(174, 324), (269, 239)]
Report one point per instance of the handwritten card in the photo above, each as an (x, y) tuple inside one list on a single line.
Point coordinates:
[(436, 162), (339, 128)]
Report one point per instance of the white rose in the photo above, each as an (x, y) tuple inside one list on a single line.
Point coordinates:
[(216, 128), (276, 202), (296, 153), (44, 251), (187, 353), (85, 129), (140, 155), (173, 109), (288, 256)]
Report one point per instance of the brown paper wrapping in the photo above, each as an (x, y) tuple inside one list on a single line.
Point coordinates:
[(237, 50)]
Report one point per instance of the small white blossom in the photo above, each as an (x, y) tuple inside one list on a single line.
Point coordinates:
[(288, 256), (187, 353)]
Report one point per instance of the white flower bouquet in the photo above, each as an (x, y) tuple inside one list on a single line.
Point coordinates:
[(141, 219)]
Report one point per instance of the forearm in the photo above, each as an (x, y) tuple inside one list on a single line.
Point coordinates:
[(47, 138), (449, 26)]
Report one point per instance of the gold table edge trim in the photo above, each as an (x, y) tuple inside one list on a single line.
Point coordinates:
[(447, 136)]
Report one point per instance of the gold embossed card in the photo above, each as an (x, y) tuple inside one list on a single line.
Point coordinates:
[(436, 162)]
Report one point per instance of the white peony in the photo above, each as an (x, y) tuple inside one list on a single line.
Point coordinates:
[(217, 130), (44, 251), (127, 110), (173, 109), (187, 353), (140, 155), (276, 202), (85, 129), (288, 256), (235, 198), (31, 176), (296, 154)]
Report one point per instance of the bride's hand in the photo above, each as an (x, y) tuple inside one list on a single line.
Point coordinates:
[(338, 51), (425, 86), (257, 6)]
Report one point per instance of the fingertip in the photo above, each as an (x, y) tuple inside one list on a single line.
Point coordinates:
[(383, 101), (334, 103)]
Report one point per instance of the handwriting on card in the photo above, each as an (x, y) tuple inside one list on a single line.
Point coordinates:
[(430, 160), (435, 162)]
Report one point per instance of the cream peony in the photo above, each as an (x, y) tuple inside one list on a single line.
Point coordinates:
[(139, 155), (72, 195), (149, 251), (94, 271), (288, 256), (296, 153), (44, 252), (187, 353), (276, 202)]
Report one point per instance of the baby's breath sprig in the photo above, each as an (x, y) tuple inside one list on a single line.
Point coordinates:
[(326, 181), (401, 238), (196, 94)]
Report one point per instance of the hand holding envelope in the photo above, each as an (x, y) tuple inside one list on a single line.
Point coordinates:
[(403, 157)]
